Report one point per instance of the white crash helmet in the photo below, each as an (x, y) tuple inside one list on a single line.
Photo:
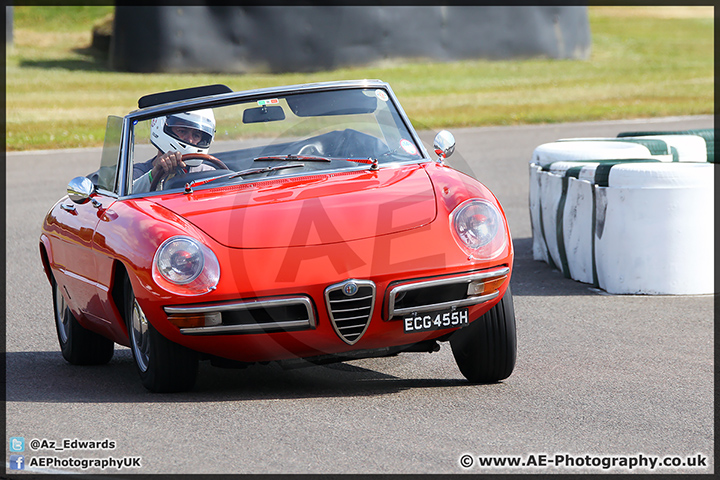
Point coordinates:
[(162, 136)]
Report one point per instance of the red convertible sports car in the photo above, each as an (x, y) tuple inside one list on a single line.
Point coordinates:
[(303, 224)]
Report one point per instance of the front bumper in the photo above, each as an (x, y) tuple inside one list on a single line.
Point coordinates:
[(350, 315)]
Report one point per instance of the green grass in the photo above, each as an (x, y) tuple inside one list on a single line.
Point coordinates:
[(59, 18), (59, 91)]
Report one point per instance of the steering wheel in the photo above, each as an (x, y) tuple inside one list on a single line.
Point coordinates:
[(160, 180), (311, 149)]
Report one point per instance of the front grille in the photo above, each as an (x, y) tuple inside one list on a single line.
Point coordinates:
[(350, 305)]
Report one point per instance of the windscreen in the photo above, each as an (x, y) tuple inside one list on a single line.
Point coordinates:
[(283, 135)]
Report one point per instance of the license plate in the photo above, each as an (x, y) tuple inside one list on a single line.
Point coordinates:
[(425, 322)]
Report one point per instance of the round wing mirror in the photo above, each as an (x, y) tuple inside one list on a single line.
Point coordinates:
[(444, 145), (79, 189)]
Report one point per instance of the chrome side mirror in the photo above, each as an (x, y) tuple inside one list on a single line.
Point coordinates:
[(444, 145), (79, 189)]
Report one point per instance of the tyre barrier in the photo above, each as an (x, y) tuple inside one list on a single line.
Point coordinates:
[(705, 135), (629, 215)]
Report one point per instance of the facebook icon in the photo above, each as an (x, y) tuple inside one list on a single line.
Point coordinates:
[(17, 462)]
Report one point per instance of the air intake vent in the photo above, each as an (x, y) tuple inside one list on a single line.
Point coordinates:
[(350, 306)]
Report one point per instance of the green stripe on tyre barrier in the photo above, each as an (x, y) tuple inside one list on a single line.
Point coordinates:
[(707, 134), (560, 229), (602, 172), (594, 222), (675, 154), (574, 172)]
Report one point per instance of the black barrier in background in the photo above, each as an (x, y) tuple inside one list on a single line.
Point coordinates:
[(280, 39), (8, 25)]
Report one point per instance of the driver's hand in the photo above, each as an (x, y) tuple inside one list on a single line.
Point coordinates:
[(167, 163)]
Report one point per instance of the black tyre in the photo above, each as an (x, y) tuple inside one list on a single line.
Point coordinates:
[(164, 366), (79, 346), (485, 351)]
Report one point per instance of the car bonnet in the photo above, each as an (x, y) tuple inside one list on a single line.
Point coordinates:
[(310, 210)]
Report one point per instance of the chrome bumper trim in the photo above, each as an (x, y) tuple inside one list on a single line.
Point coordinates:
[(258, 328), (247, 306), (441, 306), (485, 275)]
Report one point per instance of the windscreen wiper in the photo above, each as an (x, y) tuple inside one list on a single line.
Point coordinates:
[(308, 158), (252, 171), (196, 183)]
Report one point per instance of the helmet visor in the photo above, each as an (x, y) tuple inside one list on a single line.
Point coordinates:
[(199, 124)]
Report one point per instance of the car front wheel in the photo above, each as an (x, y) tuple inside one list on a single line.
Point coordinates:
[(164, 366), (79, 346), (485, 350)]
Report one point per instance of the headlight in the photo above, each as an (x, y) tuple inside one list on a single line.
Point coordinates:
[(184, 266), (478, 227)]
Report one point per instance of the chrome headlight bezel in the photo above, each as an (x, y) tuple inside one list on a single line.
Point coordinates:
[(479, 228), (185, 266)]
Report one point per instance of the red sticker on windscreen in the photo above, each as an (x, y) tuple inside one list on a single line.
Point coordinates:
[(408, 146)]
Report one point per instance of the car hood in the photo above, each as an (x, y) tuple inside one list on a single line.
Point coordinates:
[(311, 210)]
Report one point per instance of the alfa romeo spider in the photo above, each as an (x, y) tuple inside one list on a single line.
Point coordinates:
[(301, 225)]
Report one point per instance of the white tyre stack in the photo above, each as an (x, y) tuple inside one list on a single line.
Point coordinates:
[(631, 215)]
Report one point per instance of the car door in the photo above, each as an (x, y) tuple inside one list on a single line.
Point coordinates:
[(74, 227)]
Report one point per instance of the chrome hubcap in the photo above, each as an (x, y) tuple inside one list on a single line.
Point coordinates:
[(140, 337), (61, 316)]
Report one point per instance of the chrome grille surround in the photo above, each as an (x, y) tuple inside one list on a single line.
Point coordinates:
[(350, 305), (248, 307), (397, 291)]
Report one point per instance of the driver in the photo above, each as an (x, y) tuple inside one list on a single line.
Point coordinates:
[(174, 136)]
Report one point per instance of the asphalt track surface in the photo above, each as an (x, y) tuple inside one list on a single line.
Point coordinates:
[(598, 376)]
